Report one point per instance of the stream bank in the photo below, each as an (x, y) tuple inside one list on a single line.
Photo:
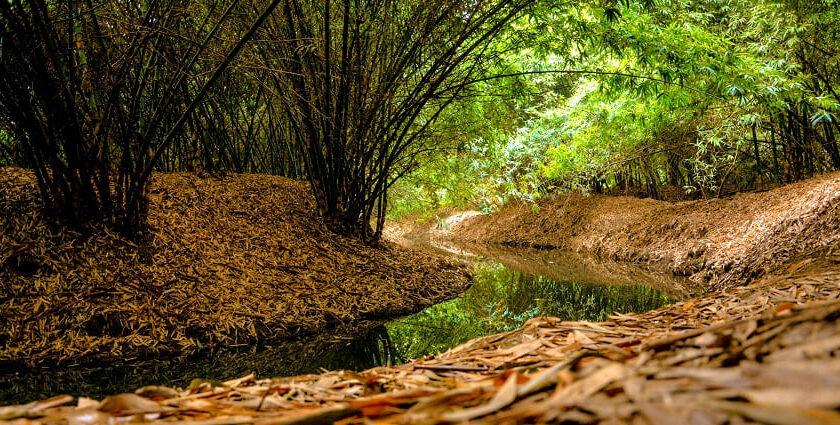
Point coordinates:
[(720, 243), (231, 261)]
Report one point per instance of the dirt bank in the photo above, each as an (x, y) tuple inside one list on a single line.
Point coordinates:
[(232, 261), (722, 242)]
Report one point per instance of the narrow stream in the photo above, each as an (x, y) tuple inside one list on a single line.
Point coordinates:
[(510, 287)]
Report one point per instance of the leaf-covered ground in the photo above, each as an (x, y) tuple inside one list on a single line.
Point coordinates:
[(763, 353), (227, 261)]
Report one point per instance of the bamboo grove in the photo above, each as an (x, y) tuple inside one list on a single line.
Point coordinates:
[(95, 96), (390, 106)]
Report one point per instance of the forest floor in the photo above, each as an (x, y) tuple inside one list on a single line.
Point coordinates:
[(231, 261), (767, 352), (720, 242)]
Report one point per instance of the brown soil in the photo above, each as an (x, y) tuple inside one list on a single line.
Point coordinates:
[(227, 261), (723, 242), (762, 353)]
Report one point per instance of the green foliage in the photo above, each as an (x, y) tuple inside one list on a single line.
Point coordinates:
[(704, 96), (6, 149)]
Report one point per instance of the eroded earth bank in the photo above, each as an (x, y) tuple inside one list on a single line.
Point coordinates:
[(719, 242)]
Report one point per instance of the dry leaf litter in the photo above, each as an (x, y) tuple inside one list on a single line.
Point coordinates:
[(229, 261), (763, 353)]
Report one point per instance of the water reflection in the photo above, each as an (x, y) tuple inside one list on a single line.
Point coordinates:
[(355, 347), (502, 299)]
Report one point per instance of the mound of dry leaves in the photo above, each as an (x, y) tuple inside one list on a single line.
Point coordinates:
[(722, 242), (764, 353), (227, 261)]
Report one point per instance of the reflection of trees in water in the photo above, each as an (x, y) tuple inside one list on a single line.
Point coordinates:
[(437, 329), (356, 347), (567, 266), (526, 296), (353, 347), (502, 299), (373, 348)]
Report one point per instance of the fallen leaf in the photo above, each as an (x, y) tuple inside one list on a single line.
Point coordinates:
[(123, 404), (505, 396)]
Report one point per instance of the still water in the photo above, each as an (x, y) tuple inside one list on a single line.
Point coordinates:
[(510, 287)]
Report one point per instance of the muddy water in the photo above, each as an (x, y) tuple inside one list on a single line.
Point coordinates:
[(510, 287)]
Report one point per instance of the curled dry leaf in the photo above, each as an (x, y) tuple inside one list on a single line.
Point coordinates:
[(122, 404)]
